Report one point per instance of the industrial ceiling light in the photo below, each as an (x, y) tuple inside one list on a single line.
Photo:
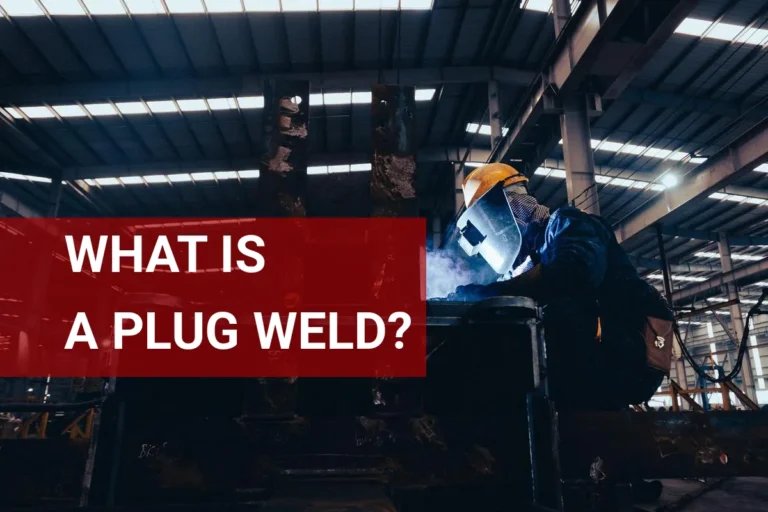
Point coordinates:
[(317, 169), (315, 100), (21, 7), (336, 5), (299, 5), (416, 5), (69, 110), (131, 108), (131, 180), (335, 169), (223, 6), (14, 113), (192, 105), (360, 167), (248, 174), (185, 6), (179, 178), (107, 182), (262, 5), (337, 98), (226, 175), (669, 180), (203, 176), (104, 7), (536, 5), (145, 6), (723, 31), (155, 178), (37, 112), (248, 102), (484, 129), (693, 27), (64, 7), (222, 103), (424, 94), (162, 107), (362, 97), (101, 109)]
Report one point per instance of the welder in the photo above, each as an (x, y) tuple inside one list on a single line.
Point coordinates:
[(608, 331)]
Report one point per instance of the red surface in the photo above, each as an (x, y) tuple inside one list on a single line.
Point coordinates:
[(342, 266)]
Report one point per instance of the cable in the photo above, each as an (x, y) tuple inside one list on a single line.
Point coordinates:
[(742, 346)]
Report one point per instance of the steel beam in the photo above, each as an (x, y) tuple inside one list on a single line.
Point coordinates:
[(579, 159), (589, 47), (17, 206), (494, 112), (252, 84), (655, 264), (746, 153), (711, 236), (283, 169), (683, 103), (746, 274)]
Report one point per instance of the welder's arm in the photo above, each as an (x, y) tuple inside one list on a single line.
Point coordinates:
[(573, 263)]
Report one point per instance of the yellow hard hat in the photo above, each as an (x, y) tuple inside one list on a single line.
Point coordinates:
[(484, 178)]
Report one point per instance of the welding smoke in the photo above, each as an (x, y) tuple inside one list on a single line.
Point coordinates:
[(446, 271)]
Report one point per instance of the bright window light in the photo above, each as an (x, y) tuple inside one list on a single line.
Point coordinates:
[(375, 5), (416, 5), (104, 7), (15, 114), (90, 182), (361, 97), (222, 103), (336, 5), (334, 169), (698, 160), (21, 7), (155, 178), (101, 109), (536, 5), (226, 175), (756, 36), (251, 173), (179, 178), (37, 112), (299, 5), (192, 105), (759, 168), (337, 98), (669, 180), (315, 100), (262, 5), (145, 6), (107, 182), (203, 176), (223, 5), (69, 110), (480, 164), (693, 27), (360, 167), (64, 7), (131, 107), (131, 180), (557, 173), (185, 6), (247, 102), (162, 107), (424, 94), (317, 169), (607, 145), (725, 31)]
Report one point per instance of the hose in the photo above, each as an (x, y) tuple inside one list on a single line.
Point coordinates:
[(742, 346)]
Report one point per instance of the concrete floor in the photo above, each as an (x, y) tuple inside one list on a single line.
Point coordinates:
[(742, 494)]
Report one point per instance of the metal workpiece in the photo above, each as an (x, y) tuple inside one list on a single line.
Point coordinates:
[(393, 174), (283, 166)]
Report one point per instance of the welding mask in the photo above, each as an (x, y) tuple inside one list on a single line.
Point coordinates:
[(488, 228)]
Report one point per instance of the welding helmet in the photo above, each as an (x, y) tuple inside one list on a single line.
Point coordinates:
[(484, 178), (488, 228)]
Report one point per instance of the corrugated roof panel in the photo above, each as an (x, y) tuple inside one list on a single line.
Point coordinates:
[(439, 38), (336, 32), (91, 45), (470, 35), (517, 49), (128, 45), (18, 53), (269, 33), (165, 45), (201, 43), (50, 43), (302, 39), (236, 42)]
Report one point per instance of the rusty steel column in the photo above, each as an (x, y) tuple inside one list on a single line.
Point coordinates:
[(283, 168), (393, 176)]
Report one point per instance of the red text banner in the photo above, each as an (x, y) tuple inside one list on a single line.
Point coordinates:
[(212, 297)]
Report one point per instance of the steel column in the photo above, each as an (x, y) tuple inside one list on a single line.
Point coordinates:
[(579, 160), (393, 176), (561, 10), (283, 168), (736, 319), (494, 112), (459, 191), (679, 364)]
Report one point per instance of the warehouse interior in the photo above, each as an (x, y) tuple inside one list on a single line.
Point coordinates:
[(650, 113)]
